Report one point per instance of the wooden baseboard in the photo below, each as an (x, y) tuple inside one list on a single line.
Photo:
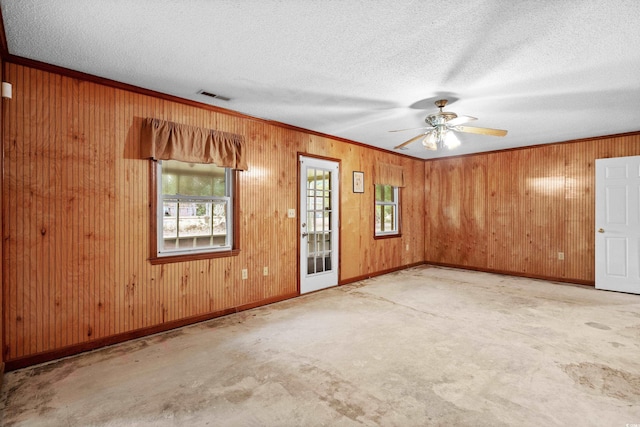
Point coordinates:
[(515, 273), (378, 273), (47, 356)]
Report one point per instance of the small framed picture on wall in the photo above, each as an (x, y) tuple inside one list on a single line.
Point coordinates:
[(358, 182)]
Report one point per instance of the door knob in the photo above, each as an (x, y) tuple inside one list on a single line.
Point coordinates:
[(601, 230)]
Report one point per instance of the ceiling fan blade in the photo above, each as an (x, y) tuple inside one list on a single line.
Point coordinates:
[(402, 130), (460, 120), (481, 131), (408, 142)]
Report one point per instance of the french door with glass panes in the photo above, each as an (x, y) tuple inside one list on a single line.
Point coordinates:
[(319, 228)]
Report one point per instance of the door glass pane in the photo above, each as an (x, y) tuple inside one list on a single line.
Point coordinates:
[(318, 220), (310, 200), (311, 222), (311, 182)]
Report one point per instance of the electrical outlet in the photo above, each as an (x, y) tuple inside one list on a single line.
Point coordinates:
[(291, 213), (265, 271), (245, 274), (561, 256), (407, 247)]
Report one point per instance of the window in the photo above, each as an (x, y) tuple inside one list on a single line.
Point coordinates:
[(386, 217), (194, 209)]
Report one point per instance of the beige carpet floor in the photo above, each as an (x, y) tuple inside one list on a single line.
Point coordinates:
[(423, 346)]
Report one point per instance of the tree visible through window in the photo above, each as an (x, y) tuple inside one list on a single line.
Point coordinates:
[(386, 210)]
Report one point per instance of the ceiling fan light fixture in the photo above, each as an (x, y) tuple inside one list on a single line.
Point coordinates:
[(451, 140), (430, 141), (439, 135)]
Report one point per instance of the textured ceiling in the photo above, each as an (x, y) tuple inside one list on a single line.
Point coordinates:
[(545, 70)]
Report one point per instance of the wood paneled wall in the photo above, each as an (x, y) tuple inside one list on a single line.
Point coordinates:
[(513, 211), (76, 216), (1, 246)]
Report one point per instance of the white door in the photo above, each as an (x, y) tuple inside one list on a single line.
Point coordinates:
[(318, 224), (617, 225)]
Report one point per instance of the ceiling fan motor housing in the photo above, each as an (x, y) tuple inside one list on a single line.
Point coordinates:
[(440, 103), (434, 120)]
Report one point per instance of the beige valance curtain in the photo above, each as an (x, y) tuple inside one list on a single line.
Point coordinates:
[(387, 174), (163, 140)]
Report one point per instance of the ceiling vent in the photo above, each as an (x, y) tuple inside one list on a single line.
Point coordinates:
[(213, 95)]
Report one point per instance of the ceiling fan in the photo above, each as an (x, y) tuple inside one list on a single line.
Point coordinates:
[(441, 127)]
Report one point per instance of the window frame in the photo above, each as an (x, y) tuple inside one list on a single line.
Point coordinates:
[(397, 204), (155, 214)]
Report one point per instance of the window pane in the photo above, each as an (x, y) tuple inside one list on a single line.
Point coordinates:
[(194, 220), (193, 179), (378, 218), (197, 224), (169, 183), (220, 218), (385, 193), (388, 223), (170, 219), (388, 193)]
